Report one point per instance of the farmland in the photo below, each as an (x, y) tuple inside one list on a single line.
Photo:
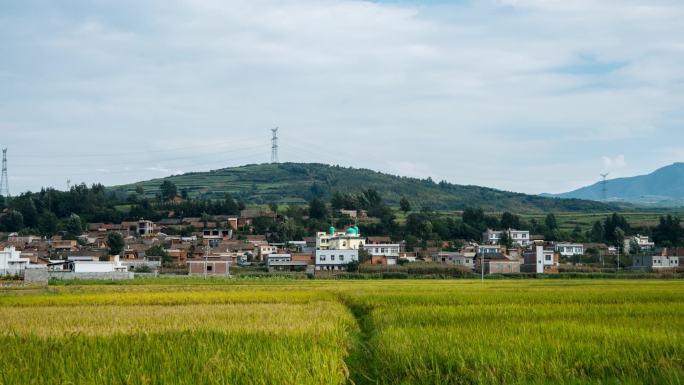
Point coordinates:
[(336, 332)]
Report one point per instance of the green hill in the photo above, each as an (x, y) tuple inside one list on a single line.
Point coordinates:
[(300, 182)]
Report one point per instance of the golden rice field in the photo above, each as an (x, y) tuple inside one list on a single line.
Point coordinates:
[(337, 332)]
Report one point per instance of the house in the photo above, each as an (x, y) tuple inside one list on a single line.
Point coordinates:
[(335, 260), (541, 260), (642, 242), (353, 214), (349, 239), (21, 241), (517, 237), (489, 249), (215, 236), (212, 265), (466, 259), (497, 263), (265, 250), (336, 249), (666, 259), (85, 265), (569, 249), (383, 254), (11, 263), (285, 262), (64, 245)]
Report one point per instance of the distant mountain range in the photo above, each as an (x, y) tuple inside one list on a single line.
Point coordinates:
[(663, 187), (299, 182)]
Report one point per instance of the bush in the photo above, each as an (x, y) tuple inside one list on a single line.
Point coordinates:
[(396, 275)]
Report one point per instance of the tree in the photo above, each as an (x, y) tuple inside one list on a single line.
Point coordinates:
[(506, 240), (11, 221), (139, 190), (273, 206), (158, 251), (510, 221), (619, 237), (611, 224), (48, 223), (168, 190), (73, 226), (230, 206), (597, 233), (26, 206), (551, 223), (317, 209), (116, 243), (669, 232), (405, 205)]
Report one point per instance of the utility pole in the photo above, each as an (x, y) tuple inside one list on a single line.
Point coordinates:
[(207, 250), (4, 181), (618, 258), (482, 266)]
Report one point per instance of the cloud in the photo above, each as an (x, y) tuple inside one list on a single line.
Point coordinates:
[(472, 92), (616, 162)]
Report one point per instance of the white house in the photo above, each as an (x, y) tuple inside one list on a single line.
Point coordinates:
[(570, 249), (11, 263), (85, 265), (655, 262), (518, 237), (540, 261), (644, 243), (335, 260), (390, 251)]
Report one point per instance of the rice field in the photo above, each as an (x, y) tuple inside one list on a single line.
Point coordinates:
[(345, 332)]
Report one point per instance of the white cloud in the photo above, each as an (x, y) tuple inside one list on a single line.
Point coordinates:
[(495, 93), (616, 162)]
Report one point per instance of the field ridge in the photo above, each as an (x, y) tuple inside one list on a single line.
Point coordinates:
[(361, 351)]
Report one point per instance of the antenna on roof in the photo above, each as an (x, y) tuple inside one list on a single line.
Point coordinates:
[(274, 145), (604, 187)]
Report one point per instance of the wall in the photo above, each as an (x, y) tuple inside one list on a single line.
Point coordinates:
[(111, 276)]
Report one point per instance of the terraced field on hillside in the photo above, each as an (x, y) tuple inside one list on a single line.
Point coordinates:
[(329, 332)]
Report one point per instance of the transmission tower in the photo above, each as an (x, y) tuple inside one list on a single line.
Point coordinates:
[(4, 182), (604, 186), (274, 145)]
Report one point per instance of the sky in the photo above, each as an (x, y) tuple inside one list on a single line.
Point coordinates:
[(523, 95)]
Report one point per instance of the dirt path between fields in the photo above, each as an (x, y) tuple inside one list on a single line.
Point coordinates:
[(360, 361)]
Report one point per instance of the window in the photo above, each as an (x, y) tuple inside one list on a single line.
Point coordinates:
[(210, 268), (322, 258), (341, 257), (332, 257), (548, 257)]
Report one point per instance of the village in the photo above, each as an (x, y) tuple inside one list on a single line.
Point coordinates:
[(215, 249)]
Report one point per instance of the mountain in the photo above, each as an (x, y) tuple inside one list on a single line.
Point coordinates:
[(663, 187), (299, 182)]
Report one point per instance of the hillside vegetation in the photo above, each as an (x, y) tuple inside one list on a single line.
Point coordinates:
[(299, 182)]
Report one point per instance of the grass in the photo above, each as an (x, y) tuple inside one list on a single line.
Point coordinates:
[(336, 332)]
